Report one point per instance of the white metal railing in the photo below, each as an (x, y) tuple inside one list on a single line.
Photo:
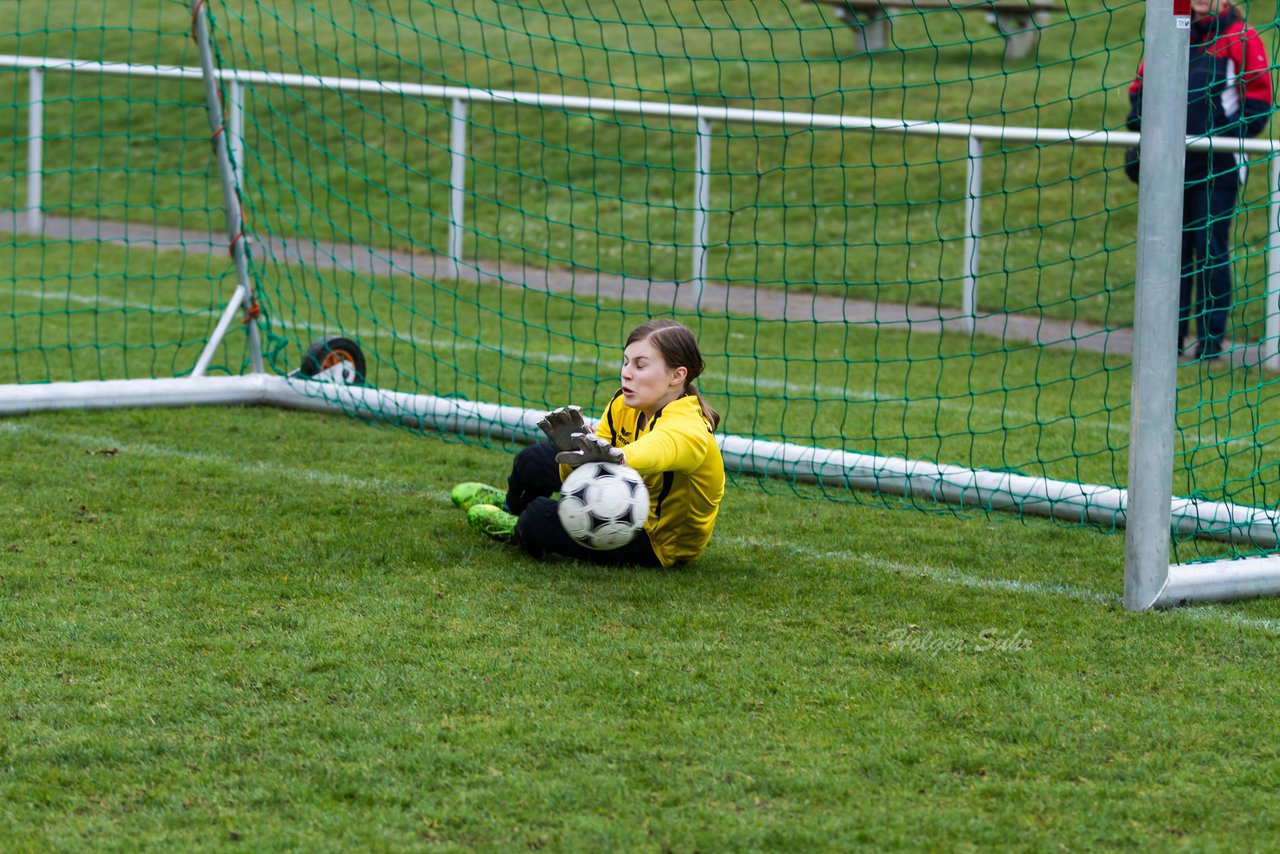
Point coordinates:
[(703, 115)]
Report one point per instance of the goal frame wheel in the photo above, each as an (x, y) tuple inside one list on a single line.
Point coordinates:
[(338, 359)]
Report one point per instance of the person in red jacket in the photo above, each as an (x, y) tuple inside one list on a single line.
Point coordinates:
[(1229, 93), (658, 424)]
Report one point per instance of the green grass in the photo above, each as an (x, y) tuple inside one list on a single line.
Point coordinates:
[(253, 629), (247, 628), (871, 216)]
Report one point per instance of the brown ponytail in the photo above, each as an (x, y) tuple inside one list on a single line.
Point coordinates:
[(713, 417)]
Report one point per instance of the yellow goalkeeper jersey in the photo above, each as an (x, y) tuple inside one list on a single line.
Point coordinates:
[(677, 455)]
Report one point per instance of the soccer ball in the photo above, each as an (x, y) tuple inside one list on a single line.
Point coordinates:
[(602, 505)]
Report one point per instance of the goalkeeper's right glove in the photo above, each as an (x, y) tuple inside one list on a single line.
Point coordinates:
[(587, 448)]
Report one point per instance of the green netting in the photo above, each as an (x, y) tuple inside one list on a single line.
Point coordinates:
[(829, 294), (84, 297)]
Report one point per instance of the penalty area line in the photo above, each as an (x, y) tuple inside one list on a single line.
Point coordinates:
[(146, 449), (713, 380)]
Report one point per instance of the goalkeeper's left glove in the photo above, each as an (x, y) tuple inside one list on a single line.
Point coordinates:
[(561, 424), (587, 448)]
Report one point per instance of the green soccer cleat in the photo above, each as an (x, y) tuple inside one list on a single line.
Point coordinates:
[(492, 521), (468, 495)]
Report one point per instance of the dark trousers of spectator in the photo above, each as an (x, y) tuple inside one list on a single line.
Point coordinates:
[(1206, 286), (535, 476)]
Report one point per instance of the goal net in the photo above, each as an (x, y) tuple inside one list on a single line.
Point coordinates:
[(905, 243)]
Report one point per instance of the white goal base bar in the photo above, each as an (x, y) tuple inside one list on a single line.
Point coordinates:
[(1062, 500), (1220, 581)]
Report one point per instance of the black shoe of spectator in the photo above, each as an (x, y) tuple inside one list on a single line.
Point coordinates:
[(1211, 351)]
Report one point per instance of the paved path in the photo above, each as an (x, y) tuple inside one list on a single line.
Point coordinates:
[(716, 298)]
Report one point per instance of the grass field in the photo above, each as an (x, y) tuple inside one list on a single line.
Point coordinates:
[(248, 629)]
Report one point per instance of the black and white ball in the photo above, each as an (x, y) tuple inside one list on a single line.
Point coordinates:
[(602, 505)]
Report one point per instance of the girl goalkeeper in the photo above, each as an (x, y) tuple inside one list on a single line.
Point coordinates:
[(657, 423)]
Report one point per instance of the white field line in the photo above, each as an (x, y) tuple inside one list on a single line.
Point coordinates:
[(955, 578), (943, 576), (1214, 614), (146, 449), (834, 393)]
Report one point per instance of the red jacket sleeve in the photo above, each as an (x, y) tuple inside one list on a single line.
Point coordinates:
[(1136, 86), (1134, 120), (1250, 56)]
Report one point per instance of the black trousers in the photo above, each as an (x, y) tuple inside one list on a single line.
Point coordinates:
[(1206, 285), (535, 476)]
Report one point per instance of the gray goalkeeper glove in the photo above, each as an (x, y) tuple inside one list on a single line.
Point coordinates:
[(586, 448), (561, 425)]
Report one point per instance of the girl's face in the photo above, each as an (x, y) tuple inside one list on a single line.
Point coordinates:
[(647, 383), (1207, 8)]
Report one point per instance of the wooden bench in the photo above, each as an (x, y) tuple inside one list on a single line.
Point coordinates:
[(1019, 21)]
